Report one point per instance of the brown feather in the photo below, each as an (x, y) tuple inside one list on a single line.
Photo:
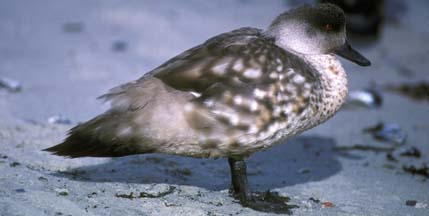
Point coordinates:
[(98, 138)]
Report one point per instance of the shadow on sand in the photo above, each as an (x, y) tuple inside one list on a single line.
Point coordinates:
[(300, 160)]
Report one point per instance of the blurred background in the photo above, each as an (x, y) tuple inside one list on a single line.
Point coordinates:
[(56, 57)]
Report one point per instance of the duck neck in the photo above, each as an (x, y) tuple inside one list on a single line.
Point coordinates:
[(333, 80)]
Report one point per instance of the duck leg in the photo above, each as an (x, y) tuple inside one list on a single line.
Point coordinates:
[(239, 183), (259, 201)]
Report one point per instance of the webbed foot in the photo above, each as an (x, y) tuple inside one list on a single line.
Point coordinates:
[(268, 202)]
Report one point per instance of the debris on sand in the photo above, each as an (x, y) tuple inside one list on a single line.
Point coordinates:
[(10, 85), (422, 169), (363, 148), (391, 133), (14, 164), (369, 98), (404, 151), (149, 194), (325, 204), (315, 200), (410, 152), (127, 196), (62, 191), (169, 190), (416, 91), (408, 157), (59, 119)]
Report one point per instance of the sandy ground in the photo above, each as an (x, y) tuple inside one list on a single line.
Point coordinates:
[(66, 53)]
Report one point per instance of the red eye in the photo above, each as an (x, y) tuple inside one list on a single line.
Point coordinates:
[(328, 27)]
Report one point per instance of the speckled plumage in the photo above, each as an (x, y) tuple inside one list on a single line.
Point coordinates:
[(237, 93)]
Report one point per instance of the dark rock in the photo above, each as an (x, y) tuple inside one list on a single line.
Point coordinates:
[(411, 202), (20, 190)]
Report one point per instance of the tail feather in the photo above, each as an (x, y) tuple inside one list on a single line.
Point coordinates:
[(75, 148), (98, 138)]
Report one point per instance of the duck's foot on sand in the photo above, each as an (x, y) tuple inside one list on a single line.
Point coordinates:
[(260, 201), (268, 202)]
